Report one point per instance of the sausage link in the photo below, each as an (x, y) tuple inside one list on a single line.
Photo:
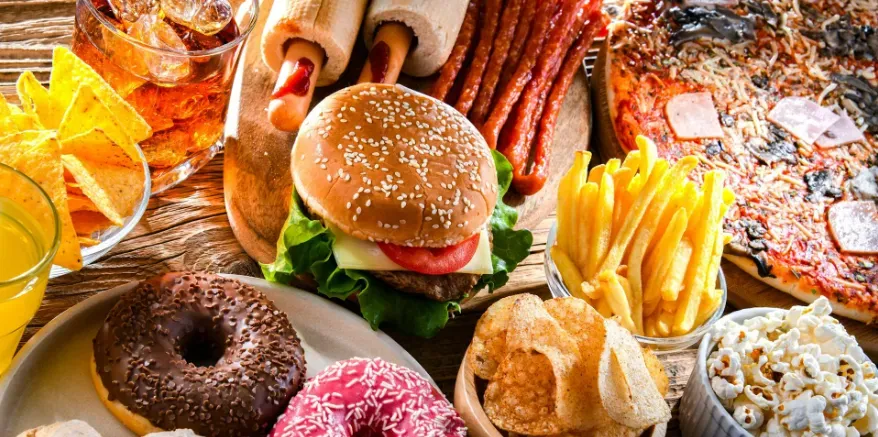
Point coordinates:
[(527, 15), (512, 91), (464, 41), (531, 183), (480, 59), (508, 23)]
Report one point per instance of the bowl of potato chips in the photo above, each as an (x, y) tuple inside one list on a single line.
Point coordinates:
[(79, 139), (642, 243)]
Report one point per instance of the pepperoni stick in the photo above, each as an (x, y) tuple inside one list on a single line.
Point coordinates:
[(508, 23), (533, 182), (464, 41), (512, 91), (529, 107), (524, 22), (480, 58)]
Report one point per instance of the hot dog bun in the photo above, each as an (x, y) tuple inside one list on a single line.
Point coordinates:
[(435, 24), (332, 24)]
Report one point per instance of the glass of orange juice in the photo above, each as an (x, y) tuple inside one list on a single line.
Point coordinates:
[(29, 237)]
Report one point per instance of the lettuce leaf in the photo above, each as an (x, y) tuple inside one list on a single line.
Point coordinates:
[(305, 248)]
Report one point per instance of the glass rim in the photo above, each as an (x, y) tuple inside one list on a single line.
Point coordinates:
[(245, 32), (49, 256)]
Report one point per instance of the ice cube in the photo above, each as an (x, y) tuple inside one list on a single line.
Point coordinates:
[(205, 16), (155, 32), (131, 10)]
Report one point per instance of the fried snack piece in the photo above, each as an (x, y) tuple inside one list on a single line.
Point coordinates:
[(489, 340)]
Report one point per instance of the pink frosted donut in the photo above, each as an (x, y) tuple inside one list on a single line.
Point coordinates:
[(370, 397)]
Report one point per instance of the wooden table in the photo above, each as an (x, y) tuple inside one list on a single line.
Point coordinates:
[(187, 228)]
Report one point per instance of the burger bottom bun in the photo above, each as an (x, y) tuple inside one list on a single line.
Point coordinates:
[(135, 422)]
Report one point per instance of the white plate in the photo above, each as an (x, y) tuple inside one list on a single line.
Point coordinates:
[(49, 380)]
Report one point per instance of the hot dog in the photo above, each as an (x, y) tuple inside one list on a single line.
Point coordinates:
[(307, 41)]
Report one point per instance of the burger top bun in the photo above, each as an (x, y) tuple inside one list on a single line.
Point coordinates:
[(387, 164)]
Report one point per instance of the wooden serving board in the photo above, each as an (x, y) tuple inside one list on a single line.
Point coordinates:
[(745, 291), (257, 174)]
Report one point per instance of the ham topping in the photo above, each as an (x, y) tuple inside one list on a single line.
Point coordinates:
[(854, 226), (844, 131), (803, 118), (692, 116)]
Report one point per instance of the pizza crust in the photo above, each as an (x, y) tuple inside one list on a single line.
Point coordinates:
[(796, 290)]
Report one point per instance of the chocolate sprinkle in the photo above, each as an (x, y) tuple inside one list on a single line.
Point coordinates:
[(199, 351)]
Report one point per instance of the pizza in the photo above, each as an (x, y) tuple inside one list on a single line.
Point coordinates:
[(783, 96)]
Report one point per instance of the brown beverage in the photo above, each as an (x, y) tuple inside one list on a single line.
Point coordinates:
[(181, 90)]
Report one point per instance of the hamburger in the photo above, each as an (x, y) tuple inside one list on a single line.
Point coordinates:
[(397, 200)]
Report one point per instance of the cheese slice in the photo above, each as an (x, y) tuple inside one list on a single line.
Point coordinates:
[(356, 254)]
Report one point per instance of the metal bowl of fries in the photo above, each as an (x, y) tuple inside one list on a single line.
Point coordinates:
[(559, 289)]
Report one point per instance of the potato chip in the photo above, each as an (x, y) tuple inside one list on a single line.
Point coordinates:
[(96, 146), (586, 326), (38, 155), (79, 202), (656, 371), (522, 396), (35, 100), (489, 340), (89, 222), (114, 190), (69, 73), (88, 112), (626, 388)]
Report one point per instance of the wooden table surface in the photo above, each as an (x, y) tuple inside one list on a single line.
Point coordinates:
[(186, 228)]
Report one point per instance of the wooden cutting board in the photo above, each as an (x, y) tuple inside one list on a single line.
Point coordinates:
[(745, 291), (256, 171)]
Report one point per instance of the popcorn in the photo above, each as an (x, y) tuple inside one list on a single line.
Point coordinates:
[(795, 373)]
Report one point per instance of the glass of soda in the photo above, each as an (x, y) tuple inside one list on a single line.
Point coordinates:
[(174, 61)]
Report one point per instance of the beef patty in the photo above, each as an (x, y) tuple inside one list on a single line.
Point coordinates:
[(442, 288)]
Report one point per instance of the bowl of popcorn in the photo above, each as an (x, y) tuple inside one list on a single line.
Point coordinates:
[(766, 371)]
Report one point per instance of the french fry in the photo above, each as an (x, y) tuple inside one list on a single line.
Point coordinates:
[(591, 290), (584, 237), (649, 327), (684, 198), (568, 199), (673, 280), (595, 174), (663, 323), (660, 260), (603, 307), (632, 160), (569, 273), (615, 296), (613, 166), (709, 303), (648, 154), (704, 241), (603, 225), (647, 228), (668, 306)]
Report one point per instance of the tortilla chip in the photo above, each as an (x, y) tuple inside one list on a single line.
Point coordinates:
[(96, 146), (40, 160), (88, 242), (24, 122), (79, 202), (87, 223), (626, 388), (489, 340), (88, 112), (5, 110), (114, 190), (69, 73), (656, 371), (35, 100)]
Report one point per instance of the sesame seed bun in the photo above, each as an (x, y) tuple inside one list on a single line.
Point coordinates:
[(388, 164)]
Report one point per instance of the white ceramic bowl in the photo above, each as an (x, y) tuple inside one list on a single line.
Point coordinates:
[(558, 289), (111, 236), (701, 413)]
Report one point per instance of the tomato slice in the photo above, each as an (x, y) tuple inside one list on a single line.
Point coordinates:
[(430, 261)]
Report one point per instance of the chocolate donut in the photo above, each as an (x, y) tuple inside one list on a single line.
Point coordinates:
[(197, 351)]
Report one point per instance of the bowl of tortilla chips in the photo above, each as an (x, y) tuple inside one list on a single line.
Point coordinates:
[(81, 139)]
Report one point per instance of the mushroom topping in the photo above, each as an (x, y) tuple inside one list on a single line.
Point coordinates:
[(820, 184), (717, 23), (865, 185)]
